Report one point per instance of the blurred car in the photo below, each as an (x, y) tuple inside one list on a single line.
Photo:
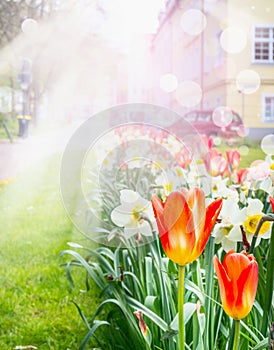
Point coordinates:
[(221, 122)]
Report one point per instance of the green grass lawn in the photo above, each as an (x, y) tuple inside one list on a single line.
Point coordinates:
[(253, 149), (35, 297)]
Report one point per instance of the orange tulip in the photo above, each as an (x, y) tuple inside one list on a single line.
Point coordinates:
[(271, 199), (184, 223), (238, 280)]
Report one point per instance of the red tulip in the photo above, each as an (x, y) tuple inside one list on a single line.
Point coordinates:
[(233, 158), (184, 223), (238, 280), (271, 199)]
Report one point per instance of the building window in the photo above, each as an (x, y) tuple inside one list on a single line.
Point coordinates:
[(263, 44), (268, 108)]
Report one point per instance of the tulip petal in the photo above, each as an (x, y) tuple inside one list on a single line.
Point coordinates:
[(234, 264), (212, 212), (157, 205), (226, 290), (177, 212), (180, 239), (196, 201), (247, 287), (158, 209), (271, 199)]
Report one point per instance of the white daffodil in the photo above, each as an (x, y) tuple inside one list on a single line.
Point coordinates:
[(228, 232), (198, 177), (171, 180), (267, 186), (131, 212), (219, 186), (254, 213)]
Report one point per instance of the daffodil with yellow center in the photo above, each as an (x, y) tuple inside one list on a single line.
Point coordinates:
[(137, 212), (252, 222), (129, 213), (254, 213)]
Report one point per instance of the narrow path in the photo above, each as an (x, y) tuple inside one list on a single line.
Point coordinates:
[(17, 156)]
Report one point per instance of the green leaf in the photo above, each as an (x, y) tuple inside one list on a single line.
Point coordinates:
[(195, 289), (262, 345), (189, 309), (96, 325), (85, 265), (152, 302), (147, 312)]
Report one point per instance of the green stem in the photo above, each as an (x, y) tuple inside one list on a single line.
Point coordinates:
[(236, 335), (164, 296), (209, 330), (269, 285), (181, 297)]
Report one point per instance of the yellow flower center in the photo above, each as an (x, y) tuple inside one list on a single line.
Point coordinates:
[(168, 187), (137, 211), (252, 222), (179, 172), (227, 229), (272, 166)]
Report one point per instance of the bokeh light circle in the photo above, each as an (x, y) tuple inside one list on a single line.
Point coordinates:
[(168, 82), (248, 81), (29, 26), (188, 93), (193, 22), (217, 141), (267, 144), (244, 150), (233, 40), (243, 131), (222, 116)]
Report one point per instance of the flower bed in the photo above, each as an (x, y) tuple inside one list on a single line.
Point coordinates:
[(186, 260)]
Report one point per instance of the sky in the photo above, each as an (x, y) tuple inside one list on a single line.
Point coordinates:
[(126, 17)]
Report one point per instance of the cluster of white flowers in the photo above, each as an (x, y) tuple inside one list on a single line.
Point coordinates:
[(172, 166)]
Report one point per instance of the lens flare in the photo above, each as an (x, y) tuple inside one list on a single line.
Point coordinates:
[(189, 94), (267, 144), (193, 22), (233, 40), (248, 81), (168, 82), (222, 116)]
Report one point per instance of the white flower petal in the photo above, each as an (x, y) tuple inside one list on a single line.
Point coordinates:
[(235, 235), (121, 216), (266, 235), (239, 217), (266, 185), (218, 233), (145, 229), (130, 231), (255, 206), (128, 196), (228, 245)]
